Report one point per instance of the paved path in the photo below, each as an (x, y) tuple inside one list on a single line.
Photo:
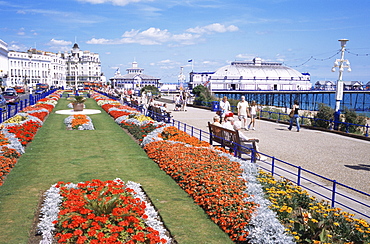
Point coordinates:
[(340, 158)]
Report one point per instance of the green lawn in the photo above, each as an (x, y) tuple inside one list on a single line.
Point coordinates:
[(57, 154)]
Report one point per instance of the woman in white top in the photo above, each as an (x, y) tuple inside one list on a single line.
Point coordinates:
[(253, 113), (225, 108)]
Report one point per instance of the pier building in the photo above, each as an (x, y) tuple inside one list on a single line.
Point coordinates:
[(135, 79), (252, 75)]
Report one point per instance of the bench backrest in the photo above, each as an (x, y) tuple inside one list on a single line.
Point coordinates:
[(224, 136)]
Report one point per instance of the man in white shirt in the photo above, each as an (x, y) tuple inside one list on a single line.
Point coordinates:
[(243, 111)]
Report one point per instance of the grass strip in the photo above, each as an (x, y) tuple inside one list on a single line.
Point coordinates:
[(57, 154)]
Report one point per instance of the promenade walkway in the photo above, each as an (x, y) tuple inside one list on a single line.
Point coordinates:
[(340, 158)]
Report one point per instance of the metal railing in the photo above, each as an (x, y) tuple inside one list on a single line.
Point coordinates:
[(13, 109), (323, 187), (336, 193), (349, 128)]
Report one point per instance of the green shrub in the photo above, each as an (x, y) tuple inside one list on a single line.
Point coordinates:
[(350, 116), (325, 113), (202, 94)]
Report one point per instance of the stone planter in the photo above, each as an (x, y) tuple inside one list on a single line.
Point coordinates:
[(78, 106)]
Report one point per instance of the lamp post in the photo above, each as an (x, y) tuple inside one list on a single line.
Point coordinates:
[(29, 65), (341, 64)]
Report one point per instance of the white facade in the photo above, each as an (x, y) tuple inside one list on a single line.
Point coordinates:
[(82, 66), (32, 67), (255, 75), (4, 68), (55, 69), (135, 79)]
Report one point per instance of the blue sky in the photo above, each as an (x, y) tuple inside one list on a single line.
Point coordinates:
[(162, 35)]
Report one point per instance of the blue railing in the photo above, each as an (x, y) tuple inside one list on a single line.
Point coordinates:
[(323, 187), (12, 110), (300, 176), (314, 121)]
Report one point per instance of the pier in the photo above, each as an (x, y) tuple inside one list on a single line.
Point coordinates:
[(358, 100)]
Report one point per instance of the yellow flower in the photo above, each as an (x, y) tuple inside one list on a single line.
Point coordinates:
[(336, 224), (296, 237), (314, 220), (360, 230)]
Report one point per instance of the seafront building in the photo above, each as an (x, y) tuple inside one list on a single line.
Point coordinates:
[(60, 69), (252, 75), (134, 80), (82, 66), (34, 66)]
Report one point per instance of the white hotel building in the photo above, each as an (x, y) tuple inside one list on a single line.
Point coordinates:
[(255, 75), (55, 69)]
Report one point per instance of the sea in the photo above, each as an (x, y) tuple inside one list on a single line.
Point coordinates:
[(308, 100)]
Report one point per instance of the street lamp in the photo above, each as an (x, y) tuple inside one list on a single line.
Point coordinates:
[(341, 64), (75, 61), (29, 65)]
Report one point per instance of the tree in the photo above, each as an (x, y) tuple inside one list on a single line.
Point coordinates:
[(202, 94), (154, 90), (323, 116)]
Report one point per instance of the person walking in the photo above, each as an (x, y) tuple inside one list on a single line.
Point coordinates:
[(243, 112), (253, 109), (295, 116), (225, 108)]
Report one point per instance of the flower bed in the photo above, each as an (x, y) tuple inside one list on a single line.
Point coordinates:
[(79, 122), (100, 212), (207, 174), (7, 161), (308, 219), (213, 192), (19, 130)]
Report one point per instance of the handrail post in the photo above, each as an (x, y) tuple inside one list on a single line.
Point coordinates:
[(16, 108), (1, 115), (367, 130), (299, 175), (273, 166), (333, 193), (9, 110)]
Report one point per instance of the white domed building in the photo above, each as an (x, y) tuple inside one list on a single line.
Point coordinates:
[(255, 75)]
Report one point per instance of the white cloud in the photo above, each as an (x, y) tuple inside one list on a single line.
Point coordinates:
[(247, 57), (156, 36), (54, 42), (16, 47), (21, 32), (213, 28), (100, 41), (114, 2), (166, 61)]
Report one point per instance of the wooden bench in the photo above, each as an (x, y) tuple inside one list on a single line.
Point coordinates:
[(231, 139), (157, 114)]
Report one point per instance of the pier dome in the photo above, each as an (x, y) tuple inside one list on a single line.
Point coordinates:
[(253, 75), (258, 70)]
